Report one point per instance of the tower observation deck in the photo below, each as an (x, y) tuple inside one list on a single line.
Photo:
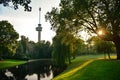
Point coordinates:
[(39, 28)]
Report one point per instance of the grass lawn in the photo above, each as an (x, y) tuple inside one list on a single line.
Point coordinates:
[(10, 63), (98, 70), (90, 68)]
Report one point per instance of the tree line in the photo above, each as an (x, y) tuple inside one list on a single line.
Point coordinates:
[(73, 16), (93, 16), (11, 47), (65, 46)]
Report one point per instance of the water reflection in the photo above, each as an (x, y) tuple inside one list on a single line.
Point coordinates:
[(29, 71)]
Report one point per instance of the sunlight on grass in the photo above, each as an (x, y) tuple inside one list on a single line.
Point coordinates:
[(10, 63), (98, 70), (76, 69), (112, 57), (80, 63)]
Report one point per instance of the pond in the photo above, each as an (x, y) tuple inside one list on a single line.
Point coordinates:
[(34, 70)]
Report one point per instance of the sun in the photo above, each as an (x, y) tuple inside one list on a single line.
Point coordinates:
[(100, 32)]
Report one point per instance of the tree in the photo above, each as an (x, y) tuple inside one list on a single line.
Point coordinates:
[(24, 44), (92, 15), (64, 43), (16, 3), (25, 48), (80, 47), (65, 46), (31, 45), (8, 38), (102, 46), (42, 50), (59, 51)]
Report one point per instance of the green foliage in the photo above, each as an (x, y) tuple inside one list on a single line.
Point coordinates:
[(8, 38), (24, 43), (80, 47), (106, 48), (59, 51), (91, 15), (16, 3), (42, 50), (64, 43), (65, 46), (101, 46), (23, 48), (31, 50)]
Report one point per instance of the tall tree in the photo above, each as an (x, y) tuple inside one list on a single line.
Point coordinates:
[(92, 15), (102, 46), (24, 44), (59, 51), (22, 49), (42, 50), (8, 38), (17, 3), (63, 42), (80, 47), (64, 46)]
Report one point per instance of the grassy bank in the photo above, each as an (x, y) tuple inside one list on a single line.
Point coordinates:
[(89, 68), (99, 70), (10, 63)]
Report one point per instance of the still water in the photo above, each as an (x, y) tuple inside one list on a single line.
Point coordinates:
[(30, 71)]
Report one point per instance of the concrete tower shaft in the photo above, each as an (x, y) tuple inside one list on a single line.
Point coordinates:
[(39, 28)]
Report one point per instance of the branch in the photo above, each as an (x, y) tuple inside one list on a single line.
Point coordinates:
[(94, 22), (88, 22), (90, 28)]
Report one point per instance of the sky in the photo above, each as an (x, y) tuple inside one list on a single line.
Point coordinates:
[(25, 23)]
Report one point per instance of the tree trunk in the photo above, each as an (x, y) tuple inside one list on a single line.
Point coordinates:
[(69, 60), (104, 55), (117, 45), (109, 55), (118, 50), (38, 76)]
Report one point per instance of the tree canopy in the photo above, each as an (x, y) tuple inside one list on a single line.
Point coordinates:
[(17, 3), (8, 38), (91, 15), (42, 50)]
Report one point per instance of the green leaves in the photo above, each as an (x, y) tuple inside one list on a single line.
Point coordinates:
[(7, 33), (16, 3), (8, 38)]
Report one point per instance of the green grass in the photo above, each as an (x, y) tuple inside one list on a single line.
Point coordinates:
[(10, 63), (90, 68), (99, 70)]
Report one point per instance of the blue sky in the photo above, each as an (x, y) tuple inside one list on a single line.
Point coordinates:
[(26, 22)]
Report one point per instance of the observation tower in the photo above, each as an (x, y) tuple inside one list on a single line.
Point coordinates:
[(39, 28)]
